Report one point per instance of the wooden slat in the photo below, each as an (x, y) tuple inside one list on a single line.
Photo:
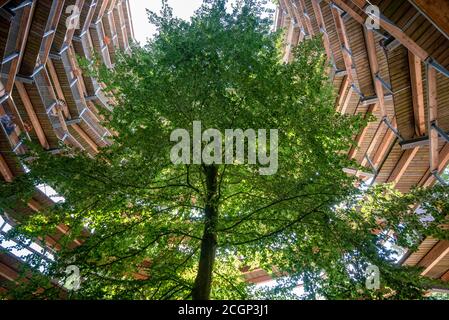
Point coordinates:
[(293, 12), (428, 179), (57, 86), (5, 171), (388, 139), (402, 165), (437, 11), (24, 28), (445, 276), (417, 93), (47, 42), (341, 93), (85, 137), (348, 97), (32, 115), (377, 135), (322, 26), (344, 41), (433, 116), (393, 30), (434, 256), (374, 67), (302, 8), (361, 136), (7, 272)]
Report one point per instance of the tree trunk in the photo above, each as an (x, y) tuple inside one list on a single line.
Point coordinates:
[(203, 281)]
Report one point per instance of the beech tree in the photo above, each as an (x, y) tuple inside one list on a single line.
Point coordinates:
[(151, 229)]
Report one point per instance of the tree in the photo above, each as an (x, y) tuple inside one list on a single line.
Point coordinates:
[(152, 229)]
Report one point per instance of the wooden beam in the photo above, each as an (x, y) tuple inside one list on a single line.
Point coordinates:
[(402, 165), (5, 171), (322, 27), (434, 256), (387, 140), (344, 41), (32, 115), (428, 178), (293, 12), (346, 8), (34, 205), (348, 97), (361, 136), (377, 135), (289, 45), (341, 93), (393, 30), (20, 43), (99, 10), (433, 116), (57, 86), (417, 93), (57, 7), (85, 137), (7, 272), (445, 276), (358, 173), (374, 67), (436, 11), (302, 8)]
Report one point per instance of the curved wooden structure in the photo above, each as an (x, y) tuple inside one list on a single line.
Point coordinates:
[(399, 72), (44, 96)]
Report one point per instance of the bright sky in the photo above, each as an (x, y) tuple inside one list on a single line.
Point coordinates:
[(142, 29)]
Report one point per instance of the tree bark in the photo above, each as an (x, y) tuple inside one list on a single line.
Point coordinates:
[(202, 287)]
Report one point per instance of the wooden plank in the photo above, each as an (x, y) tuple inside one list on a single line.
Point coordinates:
[(374, 67), (344, 41), (85, 137), (402, 165), (345, 104), (21, 40), (5, 171), (433, 116), (99, 10), (341, 93), (293, 12), (436, 11), (377, 135), (57, 86), (387, 140), (302, 8), (445, 276), (346, 8), (7, 272), (47, 42), (393, 30), (417, 93), (321, 25), (34, 205), (428, 179), (32, 115), (361, 136), (434, 256)]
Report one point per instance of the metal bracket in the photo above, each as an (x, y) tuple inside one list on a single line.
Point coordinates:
[(390, 126)]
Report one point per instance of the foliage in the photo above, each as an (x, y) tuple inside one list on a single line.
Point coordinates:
[(149, 228)]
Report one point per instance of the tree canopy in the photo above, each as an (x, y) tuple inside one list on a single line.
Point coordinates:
[(152, 229)]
